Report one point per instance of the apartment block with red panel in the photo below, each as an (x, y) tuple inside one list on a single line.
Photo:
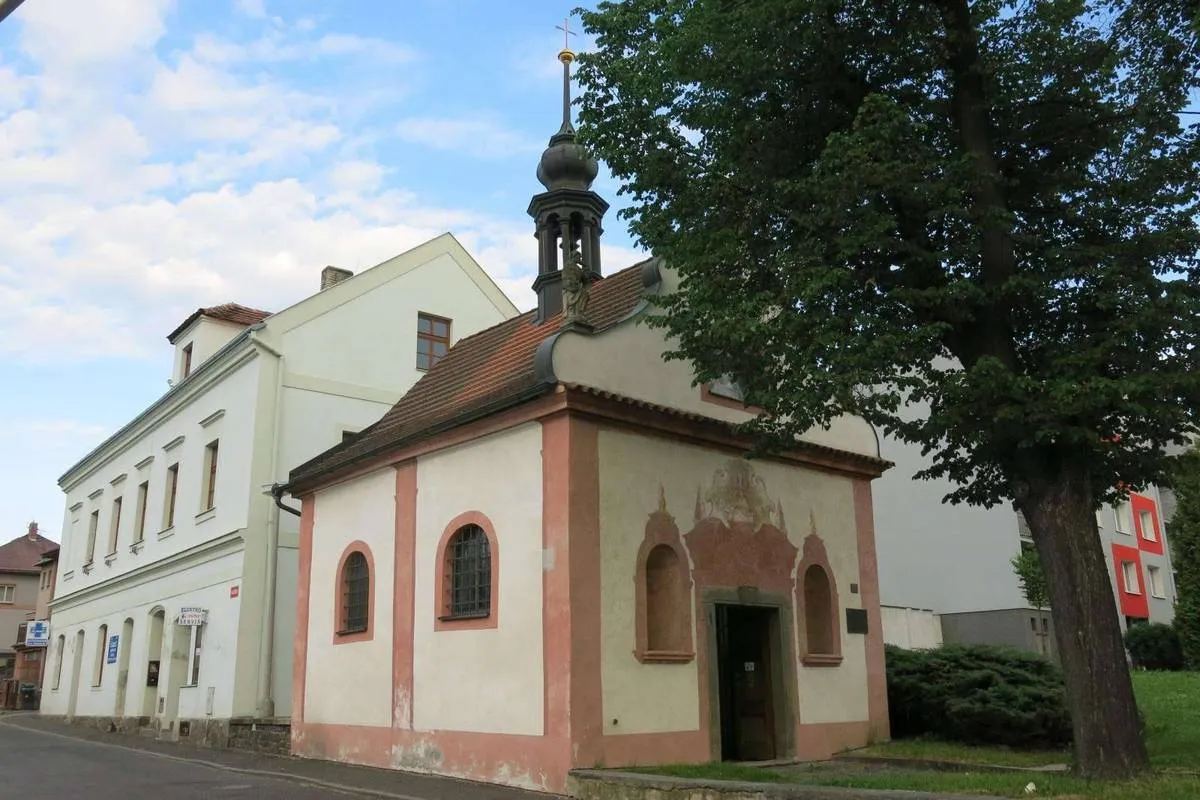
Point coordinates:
[(1141, 565)]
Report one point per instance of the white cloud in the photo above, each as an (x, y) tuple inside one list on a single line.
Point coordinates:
[(482, 137), (126, 205), (78, 32), (255, 9)]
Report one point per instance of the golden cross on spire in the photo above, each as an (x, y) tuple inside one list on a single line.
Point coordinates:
[(566, 29)]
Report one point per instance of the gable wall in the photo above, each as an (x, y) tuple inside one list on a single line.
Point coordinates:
[(627, 359)]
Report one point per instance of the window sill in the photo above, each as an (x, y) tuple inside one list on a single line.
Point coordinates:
[(87, 568), (821, 660), (166, 532), (465, 622), (136, 547), (461, 617), (351, 637), (663, 656), (206, 515), (98, 687), (109, 559)]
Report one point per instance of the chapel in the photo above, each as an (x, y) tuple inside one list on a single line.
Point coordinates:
[(553, 554)]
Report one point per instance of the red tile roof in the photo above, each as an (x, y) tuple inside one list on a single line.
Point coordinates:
[(226, 312), (23, 553), (479, 374)]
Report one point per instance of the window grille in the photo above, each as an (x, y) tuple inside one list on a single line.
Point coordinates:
[(470, 566), (356, 581)]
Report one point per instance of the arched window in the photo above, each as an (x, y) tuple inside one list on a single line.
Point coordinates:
[(468, 570), (818, 602), (663, 596), (101, 644), (666, 618), (62, 654), (817, 607), (356, 593)]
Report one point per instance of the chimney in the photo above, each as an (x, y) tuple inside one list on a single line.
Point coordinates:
[(331, 276), (33, 531)]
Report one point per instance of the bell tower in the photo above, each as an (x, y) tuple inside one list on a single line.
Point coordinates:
[(568, 214)]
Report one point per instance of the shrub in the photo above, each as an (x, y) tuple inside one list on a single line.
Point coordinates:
[(1154, 646), (977, 695)]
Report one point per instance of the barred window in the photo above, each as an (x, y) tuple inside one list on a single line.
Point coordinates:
[(469, 574), (356, 588)]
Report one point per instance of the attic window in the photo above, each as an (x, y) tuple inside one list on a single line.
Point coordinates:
[(728, 388), (187, 359), (433, 340)]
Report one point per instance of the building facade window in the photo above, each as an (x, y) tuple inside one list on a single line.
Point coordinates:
[(187, 360), (1130, 573), (1149, 531), (353, 595), (115, 528), (433, 340), (194, 646), (139, 520), (469, 569), (1124, 517), (169, 500), (209, 493), (93, 526), (1154, 581), (101, 645), (62, 655), (8, 593), (356, 589)]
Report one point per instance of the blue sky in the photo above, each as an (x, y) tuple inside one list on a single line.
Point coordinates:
[(160, 155)]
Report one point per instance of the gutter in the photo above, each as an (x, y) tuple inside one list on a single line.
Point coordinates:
[(277, 491)]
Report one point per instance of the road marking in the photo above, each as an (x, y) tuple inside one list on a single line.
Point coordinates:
[(284, 776)]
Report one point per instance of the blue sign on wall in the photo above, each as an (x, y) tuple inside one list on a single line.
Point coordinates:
[(37, 634), (112, 649)]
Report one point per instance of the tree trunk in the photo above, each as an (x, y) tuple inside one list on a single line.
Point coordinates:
[(1104, 716)]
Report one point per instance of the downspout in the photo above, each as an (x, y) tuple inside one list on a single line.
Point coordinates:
[(266, 646), (278, 491)]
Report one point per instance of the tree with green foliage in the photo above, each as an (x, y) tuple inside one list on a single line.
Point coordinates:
[(1032, 580), (1183, 533), (984, 211)]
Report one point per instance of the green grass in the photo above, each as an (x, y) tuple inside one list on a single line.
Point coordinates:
[(1160, 787), (1169, 701), (931, 749)]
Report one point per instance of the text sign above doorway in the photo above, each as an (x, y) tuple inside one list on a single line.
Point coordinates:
[(192, 616)]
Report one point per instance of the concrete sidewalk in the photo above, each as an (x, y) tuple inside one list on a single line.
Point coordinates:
[(365, 781)]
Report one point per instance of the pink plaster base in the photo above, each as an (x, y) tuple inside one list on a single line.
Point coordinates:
[(533, 762)]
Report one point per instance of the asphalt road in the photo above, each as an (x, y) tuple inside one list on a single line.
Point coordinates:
[(36, 765)]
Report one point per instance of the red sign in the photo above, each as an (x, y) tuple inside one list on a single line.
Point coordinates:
[(233, 591)]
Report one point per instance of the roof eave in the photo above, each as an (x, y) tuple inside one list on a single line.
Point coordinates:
[(300, 483)]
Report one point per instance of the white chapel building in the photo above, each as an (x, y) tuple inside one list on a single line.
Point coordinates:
[(174, 612)]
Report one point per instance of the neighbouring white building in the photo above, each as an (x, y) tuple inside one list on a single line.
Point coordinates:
[(175, 606), (946, 574)]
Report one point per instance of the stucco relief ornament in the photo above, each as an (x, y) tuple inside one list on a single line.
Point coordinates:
[(737, 494), (575, 291)]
